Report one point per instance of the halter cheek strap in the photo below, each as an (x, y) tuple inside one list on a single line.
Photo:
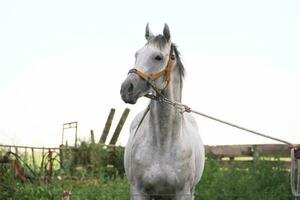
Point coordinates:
[(165, 72)]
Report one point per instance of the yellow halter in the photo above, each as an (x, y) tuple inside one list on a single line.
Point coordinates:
[(166, 72)]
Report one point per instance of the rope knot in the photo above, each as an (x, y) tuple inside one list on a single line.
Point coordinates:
[(187, 109)]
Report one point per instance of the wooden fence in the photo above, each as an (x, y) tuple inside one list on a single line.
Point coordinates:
[(43, 161), (226, 153), (232, 151), (240, 155)]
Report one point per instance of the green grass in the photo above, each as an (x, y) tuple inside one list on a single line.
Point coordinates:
[(117, 188), (260, 181)]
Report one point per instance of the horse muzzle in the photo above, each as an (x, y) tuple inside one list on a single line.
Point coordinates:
[(128, 91), (127, 98)]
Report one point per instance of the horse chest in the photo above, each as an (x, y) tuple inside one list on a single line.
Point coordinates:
[(160, 169)]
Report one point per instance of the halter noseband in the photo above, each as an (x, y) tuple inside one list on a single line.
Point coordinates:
[(166, 72)]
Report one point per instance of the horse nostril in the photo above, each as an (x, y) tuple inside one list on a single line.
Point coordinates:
[(127, 88), (130, 88)]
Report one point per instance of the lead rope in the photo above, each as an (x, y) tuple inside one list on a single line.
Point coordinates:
[(295, 163)]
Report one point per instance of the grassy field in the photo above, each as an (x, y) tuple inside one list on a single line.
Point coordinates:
[(260, 181)]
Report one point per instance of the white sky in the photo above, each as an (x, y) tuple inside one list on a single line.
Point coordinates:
[(63, 61)]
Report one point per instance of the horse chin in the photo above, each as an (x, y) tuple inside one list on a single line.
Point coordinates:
[(129, 99)]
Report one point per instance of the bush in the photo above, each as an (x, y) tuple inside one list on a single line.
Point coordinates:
[(95, 159)]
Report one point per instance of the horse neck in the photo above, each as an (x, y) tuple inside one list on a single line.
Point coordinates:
[(166, 120)]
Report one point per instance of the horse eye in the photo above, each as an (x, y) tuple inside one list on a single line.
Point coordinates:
[(158, 58)]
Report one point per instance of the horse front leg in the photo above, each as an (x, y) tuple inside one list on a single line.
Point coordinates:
[(186, 194), (184, 197), (137, 194)]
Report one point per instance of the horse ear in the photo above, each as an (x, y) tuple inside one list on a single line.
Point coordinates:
[(148, 32), (167, 32)]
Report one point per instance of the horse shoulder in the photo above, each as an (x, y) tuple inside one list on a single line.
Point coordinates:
[(132, 130), (136, 121)]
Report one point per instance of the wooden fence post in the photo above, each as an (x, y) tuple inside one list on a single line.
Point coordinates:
[(50, 165), (26, 155), (116, 134), (33, 159), (61, 156), (107, 126), (92, 137), (255, 154), (43, 158)]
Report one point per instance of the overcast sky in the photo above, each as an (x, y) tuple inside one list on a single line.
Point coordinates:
[(63, 61)]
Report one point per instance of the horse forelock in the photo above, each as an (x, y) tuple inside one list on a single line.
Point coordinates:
[(159, 41)]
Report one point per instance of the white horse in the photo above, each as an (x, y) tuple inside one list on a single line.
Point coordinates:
[(164, 156)]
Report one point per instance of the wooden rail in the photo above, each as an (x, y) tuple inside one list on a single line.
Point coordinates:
[(229, 155), (219, 151), (231, 151), (245, 155), (28, 147)]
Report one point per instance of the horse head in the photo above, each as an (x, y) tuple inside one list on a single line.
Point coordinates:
[(152, 67)]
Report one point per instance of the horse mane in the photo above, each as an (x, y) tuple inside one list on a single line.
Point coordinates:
[(178, 60)]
